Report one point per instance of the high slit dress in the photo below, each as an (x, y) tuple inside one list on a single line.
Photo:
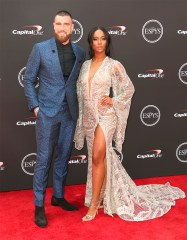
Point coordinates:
[(121, 195)]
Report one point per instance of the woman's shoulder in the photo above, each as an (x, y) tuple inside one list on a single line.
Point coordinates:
[(86, 61), (115, 64), (114, 61)]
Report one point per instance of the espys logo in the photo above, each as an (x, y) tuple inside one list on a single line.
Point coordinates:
[(181, 152), (151, 154), (1, 166), (180, 115), (79, 159), (183, 73), (182, 32), (27, 123), (150, 115), (21, 76), (117, 30), (28, 163), (152, 73), (77, 31), (120, 155), (152, 31), (32, 30)]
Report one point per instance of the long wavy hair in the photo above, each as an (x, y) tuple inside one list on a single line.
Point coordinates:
[(90, 40)]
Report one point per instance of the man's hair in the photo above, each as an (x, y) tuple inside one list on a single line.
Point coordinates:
[(63, 13)]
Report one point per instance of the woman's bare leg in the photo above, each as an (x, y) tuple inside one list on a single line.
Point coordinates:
[(98, 163), (98, 168)]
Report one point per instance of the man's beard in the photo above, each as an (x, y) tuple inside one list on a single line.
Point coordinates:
[(63, 38)]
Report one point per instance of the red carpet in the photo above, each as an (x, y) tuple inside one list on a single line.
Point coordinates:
[(16, 218)]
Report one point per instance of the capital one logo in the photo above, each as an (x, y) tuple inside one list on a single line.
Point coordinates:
[(152, 73), (180, 115), (117, 30), (32, 30), (2, 167), (151, 154), (182, 32), (181, 152), (183, 73), (150, 115), (28, 163), (21, 76), (79, 159), (77, 32), (28, 122), (152, 31)]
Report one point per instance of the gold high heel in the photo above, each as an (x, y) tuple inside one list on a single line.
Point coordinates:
[(89, 217)]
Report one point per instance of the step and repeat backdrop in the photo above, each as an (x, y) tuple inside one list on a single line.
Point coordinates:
[(149, 37)]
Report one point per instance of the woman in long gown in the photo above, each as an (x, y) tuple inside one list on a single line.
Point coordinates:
[(103, 119)]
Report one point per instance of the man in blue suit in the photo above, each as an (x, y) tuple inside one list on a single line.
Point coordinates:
[(57, 63)]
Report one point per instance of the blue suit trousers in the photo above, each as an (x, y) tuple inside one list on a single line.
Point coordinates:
[(51, 132)]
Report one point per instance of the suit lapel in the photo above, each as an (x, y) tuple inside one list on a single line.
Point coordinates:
[(55, 59), (77, 60)]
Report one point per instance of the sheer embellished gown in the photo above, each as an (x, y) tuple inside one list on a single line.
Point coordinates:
[(121, 196)]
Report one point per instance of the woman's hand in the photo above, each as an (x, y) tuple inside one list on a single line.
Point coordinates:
[(106, 100)]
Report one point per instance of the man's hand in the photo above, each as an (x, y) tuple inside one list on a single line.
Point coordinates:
[(36, 110)]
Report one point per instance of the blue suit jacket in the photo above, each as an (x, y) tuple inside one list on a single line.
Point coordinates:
[(44, 63)]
